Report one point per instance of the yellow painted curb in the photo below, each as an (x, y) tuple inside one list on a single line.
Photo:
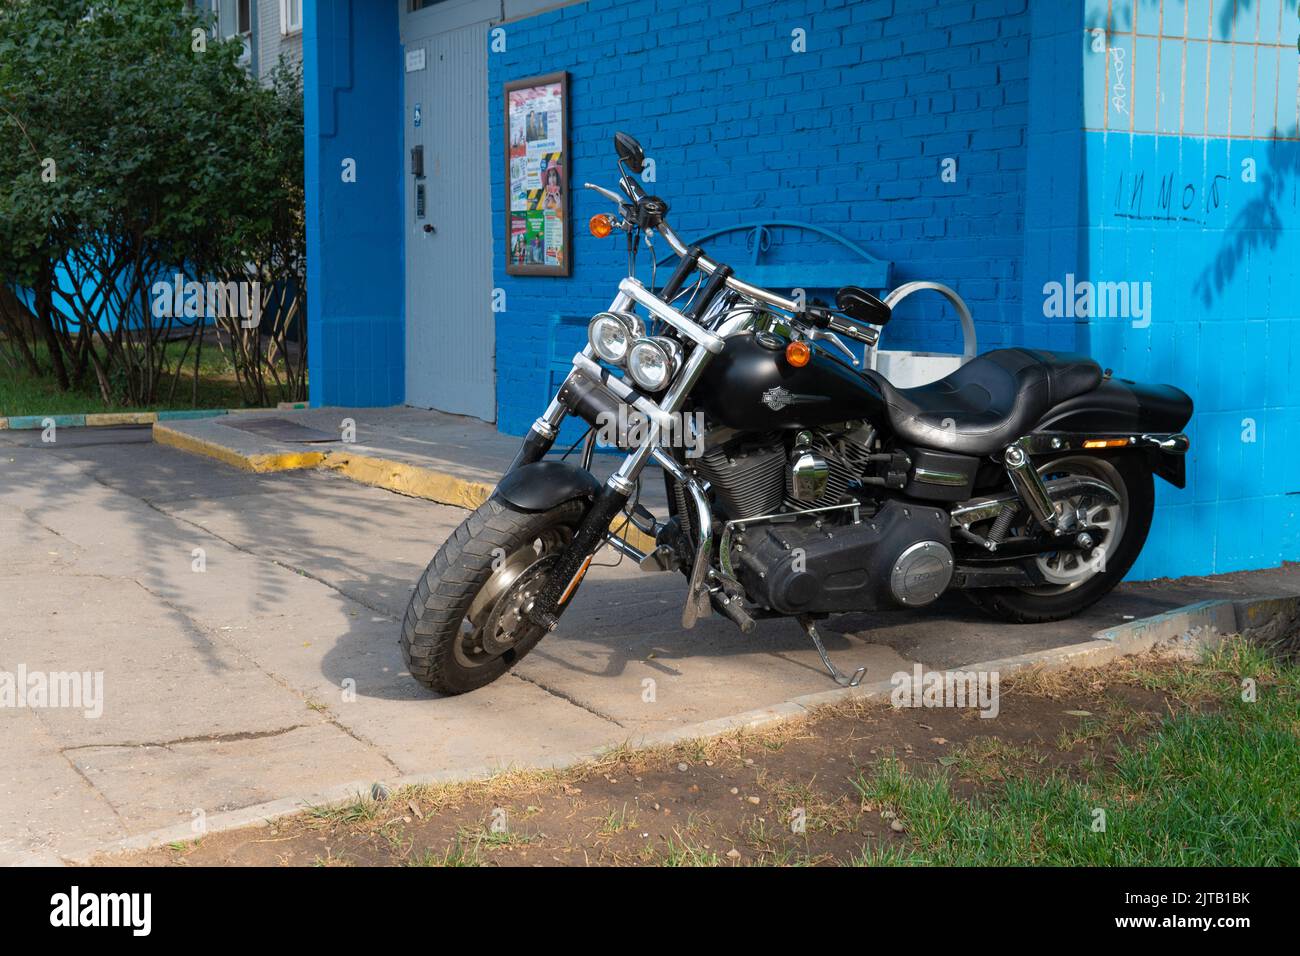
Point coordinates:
[(286, 461), (409, 479), (121, 418), (4, 423)]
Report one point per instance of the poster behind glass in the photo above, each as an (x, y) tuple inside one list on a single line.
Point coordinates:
[(537, 176)]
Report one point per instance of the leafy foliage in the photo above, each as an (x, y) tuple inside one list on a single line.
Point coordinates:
[(133, 146)]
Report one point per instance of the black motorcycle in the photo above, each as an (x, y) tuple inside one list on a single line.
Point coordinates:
[(797, 485)]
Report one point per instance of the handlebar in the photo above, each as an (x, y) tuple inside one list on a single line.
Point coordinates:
[(692, 257), (709, 267)]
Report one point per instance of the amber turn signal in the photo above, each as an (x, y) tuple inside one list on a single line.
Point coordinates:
[(1105, 443), (798, 354), (600, 225)]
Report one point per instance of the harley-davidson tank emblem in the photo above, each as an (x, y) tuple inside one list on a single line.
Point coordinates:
[(779, 397)]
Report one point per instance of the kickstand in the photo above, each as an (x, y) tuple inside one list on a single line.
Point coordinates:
[(810, 629)]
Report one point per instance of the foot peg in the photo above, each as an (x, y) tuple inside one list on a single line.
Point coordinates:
[(643, 520), (839, 677), (733, 609)]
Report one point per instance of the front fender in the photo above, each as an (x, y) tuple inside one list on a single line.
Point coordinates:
[(546, 484)]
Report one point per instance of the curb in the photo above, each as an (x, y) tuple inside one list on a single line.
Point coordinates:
[(261, 464), (414, 481), (113, 419), (1183, 631), (411, 480)]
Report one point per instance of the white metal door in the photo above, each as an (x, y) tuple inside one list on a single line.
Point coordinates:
[(450, 338)]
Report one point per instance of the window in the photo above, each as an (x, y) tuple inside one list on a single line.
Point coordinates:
[(290, 17), (234, 18)]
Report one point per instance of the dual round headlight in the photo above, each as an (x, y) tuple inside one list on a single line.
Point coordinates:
[(612, 334), (619, 338), (653, 362)]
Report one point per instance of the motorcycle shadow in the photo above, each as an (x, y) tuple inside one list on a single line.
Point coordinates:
[(608, 630)]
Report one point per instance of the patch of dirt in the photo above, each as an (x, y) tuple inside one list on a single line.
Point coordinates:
[(784, 795)]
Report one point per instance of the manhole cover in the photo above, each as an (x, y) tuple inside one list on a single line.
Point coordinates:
[(281, 429)]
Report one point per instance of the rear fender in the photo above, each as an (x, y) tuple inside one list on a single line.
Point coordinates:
[(1121, 407), (1118, 406)]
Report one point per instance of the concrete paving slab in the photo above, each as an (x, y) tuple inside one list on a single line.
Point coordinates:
[(184, 782), (154, 675), (46, 806)]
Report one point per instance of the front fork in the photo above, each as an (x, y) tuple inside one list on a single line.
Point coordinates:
[(574, 560)]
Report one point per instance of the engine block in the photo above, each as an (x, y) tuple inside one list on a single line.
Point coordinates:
[(900, 556)]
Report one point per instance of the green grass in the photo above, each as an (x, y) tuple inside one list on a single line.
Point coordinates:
[(1212, 788), (22, 393), (359, 810), (458, 855), (680, 852)]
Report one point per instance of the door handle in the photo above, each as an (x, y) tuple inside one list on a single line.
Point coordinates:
[(430, 227)]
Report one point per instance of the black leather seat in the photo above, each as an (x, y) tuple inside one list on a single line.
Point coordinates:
[(989, 402)]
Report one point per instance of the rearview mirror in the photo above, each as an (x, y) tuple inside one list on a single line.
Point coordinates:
[(630, 152), (859, 304)]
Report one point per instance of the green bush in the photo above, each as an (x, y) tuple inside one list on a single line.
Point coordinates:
[(133, 146)]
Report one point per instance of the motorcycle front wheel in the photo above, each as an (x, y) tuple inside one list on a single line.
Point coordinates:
[(465, 625)]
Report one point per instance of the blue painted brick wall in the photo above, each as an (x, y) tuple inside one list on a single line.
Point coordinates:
[(849, 135)]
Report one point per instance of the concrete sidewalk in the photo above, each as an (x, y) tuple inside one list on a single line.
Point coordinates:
[(246, 628)]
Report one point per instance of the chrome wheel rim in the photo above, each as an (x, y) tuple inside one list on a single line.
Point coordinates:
[(1067, 570)]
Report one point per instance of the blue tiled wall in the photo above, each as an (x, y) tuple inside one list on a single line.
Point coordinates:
[(1168, 157), (849, 135)]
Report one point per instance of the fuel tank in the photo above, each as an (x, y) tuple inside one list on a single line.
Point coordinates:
[(750, 386)]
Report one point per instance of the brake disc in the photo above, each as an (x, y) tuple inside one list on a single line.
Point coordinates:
[(506, 624)]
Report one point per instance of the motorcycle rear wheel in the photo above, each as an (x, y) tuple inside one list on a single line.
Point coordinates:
[(464, 625), (1131, 479)]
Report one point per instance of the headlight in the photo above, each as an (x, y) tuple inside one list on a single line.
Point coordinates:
[(612, 333), (653, 362)]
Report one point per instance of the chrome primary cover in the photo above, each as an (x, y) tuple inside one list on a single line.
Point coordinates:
[(921, 573)]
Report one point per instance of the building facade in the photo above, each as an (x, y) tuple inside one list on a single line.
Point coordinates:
[(270, 30), (1118, 177)]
